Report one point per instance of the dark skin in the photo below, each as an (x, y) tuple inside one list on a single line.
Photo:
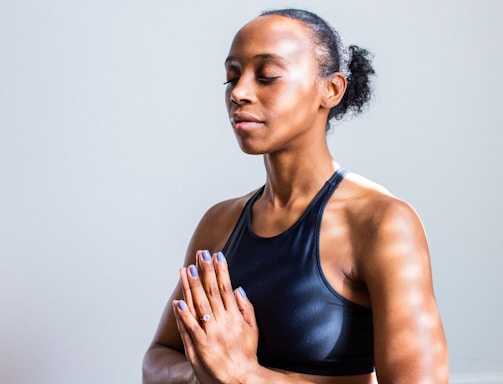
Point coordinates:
[(373, 248)]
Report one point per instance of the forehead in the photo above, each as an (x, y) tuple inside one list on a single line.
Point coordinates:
[(272, 34)]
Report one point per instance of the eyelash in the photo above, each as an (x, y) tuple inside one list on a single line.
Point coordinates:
[(229, 81), (261, 79), (267, 79)]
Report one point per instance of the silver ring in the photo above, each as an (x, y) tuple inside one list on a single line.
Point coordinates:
[(206, 317)]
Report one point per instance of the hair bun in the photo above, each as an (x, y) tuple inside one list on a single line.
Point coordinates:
[(358, 91)]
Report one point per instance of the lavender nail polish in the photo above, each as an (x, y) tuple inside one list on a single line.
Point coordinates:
[(206, 255), (242, 292), (220, 257), (193, 271), (182, 306)]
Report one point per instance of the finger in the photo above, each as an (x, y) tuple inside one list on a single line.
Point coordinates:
[(209, 281), (199, 297), (245, 307), (187, 294), (180, 306), (190, 341), (224, 281), (189, 344)]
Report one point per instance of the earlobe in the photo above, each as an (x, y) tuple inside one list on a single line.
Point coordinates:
[(334, 90)]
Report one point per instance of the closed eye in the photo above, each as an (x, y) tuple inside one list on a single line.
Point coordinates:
[(260, 79), (266, 80)]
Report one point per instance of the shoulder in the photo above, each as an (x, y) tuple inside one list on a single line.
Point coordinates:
[(389, 242), (375, 209), (227, 212), (386, 227), (216, 225)]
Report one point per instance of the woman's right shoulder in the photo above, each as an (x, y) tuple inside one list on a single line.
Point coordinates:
[(225, 213), (217, 224)]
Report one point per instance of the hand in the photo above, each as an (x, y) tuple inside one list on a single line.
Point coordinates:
[(217, 325)]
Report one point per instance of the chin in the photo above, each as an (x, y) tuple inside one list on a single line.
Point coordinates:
[(251, 149)]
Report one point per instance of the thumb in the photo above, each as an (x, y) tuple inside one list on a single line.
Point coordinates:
[(245, 307)]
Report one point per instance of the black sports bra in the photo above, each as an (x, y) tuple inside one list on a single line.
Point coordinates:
[(305, 325)]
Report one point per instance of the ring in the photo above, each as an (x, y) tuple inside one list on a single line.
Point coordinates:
[(206, 317)]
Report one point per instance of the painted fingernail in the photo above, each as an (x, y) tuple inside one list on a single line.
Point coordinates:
[(242, 292), (193, 271), (182, 306), (220, 257), (206, 255)]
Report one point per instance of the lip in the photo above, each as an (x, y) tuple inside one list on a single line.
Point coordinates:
[(243, 120)]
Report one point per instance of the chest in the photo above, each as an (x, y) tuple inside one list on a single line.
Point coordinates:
[(301, 317)]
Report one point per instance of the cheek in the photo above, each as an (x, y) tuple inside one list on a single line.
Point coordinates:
[(297, 97)]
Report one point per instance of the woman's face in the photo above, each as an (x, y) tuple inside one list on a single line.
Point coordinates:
[(273, 90)]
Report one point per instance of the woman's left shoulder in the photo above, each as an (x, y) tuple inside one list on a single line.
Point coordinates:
[(375, 207), (386, 227)]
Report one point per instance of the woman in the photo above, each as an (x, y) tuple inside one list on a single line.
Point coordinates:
[(324, 276)]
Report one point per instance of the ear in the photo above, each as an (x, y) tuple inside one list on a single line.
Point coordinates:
[(334, 89)]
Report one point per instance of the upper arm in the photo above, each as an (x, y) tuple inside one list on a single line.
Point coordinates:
[(409, 342)]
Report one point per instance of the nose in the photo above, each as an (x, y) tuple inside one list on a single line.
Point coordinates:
[(242, 92)]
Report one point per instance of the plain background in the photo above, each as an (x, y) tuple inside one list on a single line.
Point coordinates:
[(114, 140)]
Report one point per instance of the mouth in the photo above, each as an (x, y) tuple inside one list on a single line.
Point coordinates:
[(240, 120)]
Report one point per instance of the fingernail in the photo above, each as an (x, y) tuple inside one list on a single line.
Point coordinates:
[(182, 306), (242, 292), (206, 255), (193, 271), (220, 257)]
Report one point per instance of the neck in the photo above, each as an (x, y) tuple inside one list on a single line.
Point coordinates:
[(291, 174)]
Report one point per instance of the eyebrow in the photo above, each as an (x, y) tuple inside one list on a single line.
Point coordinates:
[(262, 56)]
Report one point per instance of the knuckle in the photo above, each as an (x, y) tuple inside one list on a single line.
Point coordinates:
[(213, 291), (226, 288), (207, 266), (204, 308)]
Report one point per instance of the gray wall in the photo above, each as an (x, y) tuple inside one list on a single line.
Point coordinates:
[(114, 141)]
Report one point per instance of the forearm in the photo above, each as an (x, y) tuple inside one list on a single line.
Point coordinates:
[(263, 375), (163, 365)]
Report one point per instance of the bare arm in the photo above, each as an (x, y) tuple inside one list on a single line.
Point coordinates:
[(410, 345), (165, 361)]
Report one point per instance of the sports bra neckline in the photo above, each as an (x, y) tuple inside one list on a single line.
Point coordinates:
[(336, 178)]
